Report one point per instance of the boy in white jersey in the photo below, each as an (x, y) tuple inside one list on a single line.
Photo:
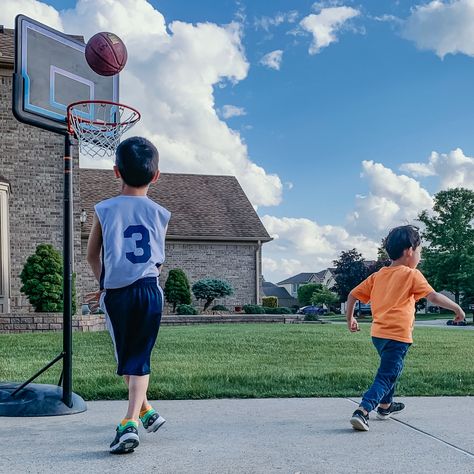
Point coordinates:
[(125, 251)]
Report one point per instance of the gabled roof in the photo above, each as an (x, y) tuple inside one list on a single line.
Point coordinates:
[(203, 207), (302, 278), (270, 289), (7, 47)]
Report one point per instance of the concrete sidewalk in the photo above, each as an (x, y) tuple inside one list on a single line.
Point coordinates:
[(433, 435)]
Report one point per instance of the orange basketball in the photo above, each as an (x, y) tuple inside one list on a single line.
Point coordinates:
[(106, 54)]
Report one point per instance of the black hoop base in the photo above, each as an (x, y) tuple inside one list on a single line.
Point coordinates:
[(37, 400)]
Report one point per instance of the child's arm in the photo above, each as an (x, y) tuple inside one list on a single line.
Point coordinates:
[(94, 247), (440, 300), (352, 323)]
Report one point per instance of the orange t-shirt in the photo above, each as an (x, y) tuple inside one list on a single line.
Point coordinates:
[(392, 292)]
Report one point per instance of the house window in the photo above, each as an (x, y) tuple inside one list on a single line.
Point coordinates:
[(294, 288), (4, 249)]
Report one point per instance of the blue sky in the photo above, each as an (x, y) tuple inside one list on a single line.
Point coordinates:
[(391, 86)]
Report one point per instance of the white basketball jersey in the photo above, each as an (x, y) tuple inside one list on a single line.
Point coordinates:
[(133, 239)]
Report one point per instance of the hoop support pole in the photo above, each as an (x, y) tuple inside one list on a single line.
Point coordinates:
[(67, 274)]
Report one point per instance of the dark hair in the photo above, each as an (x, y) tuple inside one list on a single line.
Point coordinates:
[(137, 160), (400, 239)]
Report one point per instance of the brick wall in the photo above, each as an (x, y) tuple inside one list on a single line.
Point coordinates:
[(234, 262), (45, 322), (32, 160)]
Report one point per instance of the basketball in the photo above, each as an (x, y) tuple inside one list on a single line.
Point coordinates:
[(106, 54)]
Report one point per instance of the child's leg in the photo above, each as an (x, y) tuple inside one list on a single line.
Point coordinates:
[(145, 404), (137, 387), (392, 354)]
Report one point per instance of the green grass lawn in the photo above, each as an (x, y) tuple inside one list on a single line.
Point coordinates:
[(250, 360)]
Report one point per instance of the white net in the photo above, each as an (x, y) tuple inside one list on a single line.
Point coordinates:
[(98, 126)]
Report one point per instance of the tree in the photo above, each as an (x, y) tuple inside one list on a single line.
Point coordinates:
[(209, 289), (324, 296), (383, 260), (350, 271), (448, 259), (177, 290), (305, 292), (42, 278)]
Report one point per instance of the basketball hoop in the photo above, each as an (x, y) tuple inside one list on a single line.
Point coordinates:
[(98, 125)]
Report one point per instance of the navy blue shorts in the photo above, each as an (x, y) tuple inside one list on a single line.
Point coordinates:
[(133, 316)]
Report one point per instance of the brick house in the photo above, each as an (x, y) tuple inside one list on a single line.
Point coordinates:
[(214, 231)]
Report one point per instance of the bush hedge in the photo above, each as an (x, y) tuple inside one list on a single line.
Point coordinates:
[(186, 309)]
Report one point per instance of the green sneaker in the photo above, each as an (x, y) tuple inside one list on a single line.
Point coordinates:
[(152, 421), (126, 439)]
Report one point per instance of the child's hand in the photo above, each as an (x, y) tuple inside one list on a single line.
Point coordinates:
[(92, 299), (460, 315), (353, 325)]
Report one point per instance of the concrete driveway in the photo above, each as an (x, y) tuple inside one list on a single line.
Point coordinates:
[(433, 435)]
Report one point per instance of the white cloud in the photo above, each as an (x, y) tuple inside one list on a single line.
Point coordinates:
[(38, 10), (442, 26), (273, 59), (301, 245), (454, 169), (392, 200), (325, 25), (170, 77), (229, 111), (267, 22)]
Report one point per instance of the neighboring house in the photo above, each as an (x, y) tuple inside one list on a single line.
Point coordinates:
[(328, 279), (293, 283), (284, 298), (214, 230)]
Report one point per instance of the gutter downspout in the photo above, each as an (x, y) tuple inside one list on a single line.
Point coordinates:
[(258, 271)]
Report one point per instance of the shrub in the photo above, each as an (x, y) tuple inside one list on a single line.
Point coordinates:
[(270, 301), (177, 290), (219, 307), (186, 309), (42, 278), (311, 317), (209, 289), (253, 309)]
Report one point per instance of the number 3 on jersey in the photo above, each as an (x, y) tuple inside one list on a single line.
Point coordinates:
[(143, 244)]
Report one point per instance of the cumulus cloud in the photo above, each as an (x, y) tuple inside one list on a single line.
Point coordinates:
[(392, 200), (229, 111), (32, 8), (325, 25), (273, 59), (170, 77), (442, 26), (301, 245), (454, 169)]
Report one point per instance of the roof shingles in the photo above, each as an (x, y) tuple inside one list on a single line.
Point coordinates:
[(202, 206)]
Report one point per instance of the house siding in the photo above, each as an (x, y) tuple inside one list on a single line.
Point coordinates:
[(31, 159), (234, 262)]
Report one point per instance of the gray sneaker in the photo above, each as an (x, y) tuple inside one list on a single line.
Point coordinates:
[(152, 421), (385, 413), (360, 421)]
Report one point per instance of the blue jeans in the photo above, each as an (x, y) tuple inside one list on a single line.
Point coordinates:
[(392, 354)]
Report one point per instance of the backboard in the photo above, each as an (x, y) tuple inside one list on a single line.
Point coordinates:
[(51, 72)]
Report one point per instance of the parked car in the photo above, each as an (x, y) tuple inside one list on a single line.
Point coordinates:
[(456, 323), (362, 309), (316, 310)]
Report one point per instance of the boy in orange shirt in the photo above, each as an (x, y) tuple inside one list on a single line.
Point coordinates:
[(392, 292)]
